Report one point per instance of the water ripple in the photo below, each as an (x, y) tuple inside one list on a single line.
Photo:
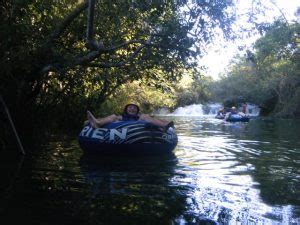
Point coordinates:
[(220, 173), (231, 171)]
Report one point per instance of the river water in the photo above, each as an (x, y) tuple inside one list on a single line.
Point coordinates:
[(220, 173)]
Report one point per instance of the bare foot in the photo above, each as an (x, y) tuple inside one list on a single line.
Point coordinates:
[(92, 119)]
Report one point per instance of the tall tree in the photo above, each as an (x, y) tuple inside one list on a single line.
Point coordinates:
[(50, 67), (270, 76)]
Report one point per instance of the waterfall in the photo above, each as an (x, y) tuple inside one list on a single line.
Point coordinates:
[(192, 110), (207, 110)]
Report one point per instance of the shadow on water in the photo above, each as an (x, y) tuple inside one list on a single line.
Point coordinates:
[(134, 189), (137, 190), (220, 173), (59, 185)]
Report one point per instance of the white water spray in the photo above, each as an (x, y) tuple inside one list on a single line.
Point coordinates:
[(208, 110)]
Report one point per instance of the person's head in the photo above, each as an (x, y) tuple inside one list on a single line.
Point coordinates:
[(233, 109), (131, 109)]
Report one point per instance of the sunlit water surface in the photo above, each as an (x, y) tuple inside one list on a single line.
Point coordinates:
[(220, 173)]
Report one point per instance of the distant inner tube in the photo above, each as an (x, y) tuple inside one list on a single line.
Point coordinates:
[(127, 137), (237, 118)]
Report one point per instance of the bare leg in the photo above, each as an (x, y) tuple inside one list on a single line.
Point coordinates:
[(161, 123), (101, 121)]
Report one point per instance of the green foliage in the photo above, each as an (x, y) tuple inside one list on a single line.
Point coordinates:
[(195, 92), (270, 76), (49, 77), (149, 98)]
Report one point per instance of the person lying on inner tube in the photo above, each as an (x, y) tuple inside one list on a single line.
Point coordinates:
[(131, 112), (234, 111), (221, 112)]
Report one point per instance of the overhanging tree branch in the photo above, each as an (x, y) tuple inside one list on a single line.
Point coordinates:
[(118, 64), (93, 55), (67, 21), (90, 42), (90, 25)]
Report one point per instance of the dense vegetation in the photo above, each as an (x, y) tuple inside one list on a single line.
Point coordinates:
[(51, 73), (137, 51), (269, 76)]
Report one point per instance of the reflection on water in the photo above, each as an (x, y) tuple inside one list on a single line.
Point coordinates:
[(220, 173), (241, 174)]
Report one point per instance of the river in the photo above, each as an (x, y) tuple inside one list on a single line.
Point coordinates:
[(220, 173)]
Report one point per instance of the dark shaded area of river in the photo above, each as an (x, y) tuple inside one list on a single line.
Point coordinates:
[(220, 173)]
